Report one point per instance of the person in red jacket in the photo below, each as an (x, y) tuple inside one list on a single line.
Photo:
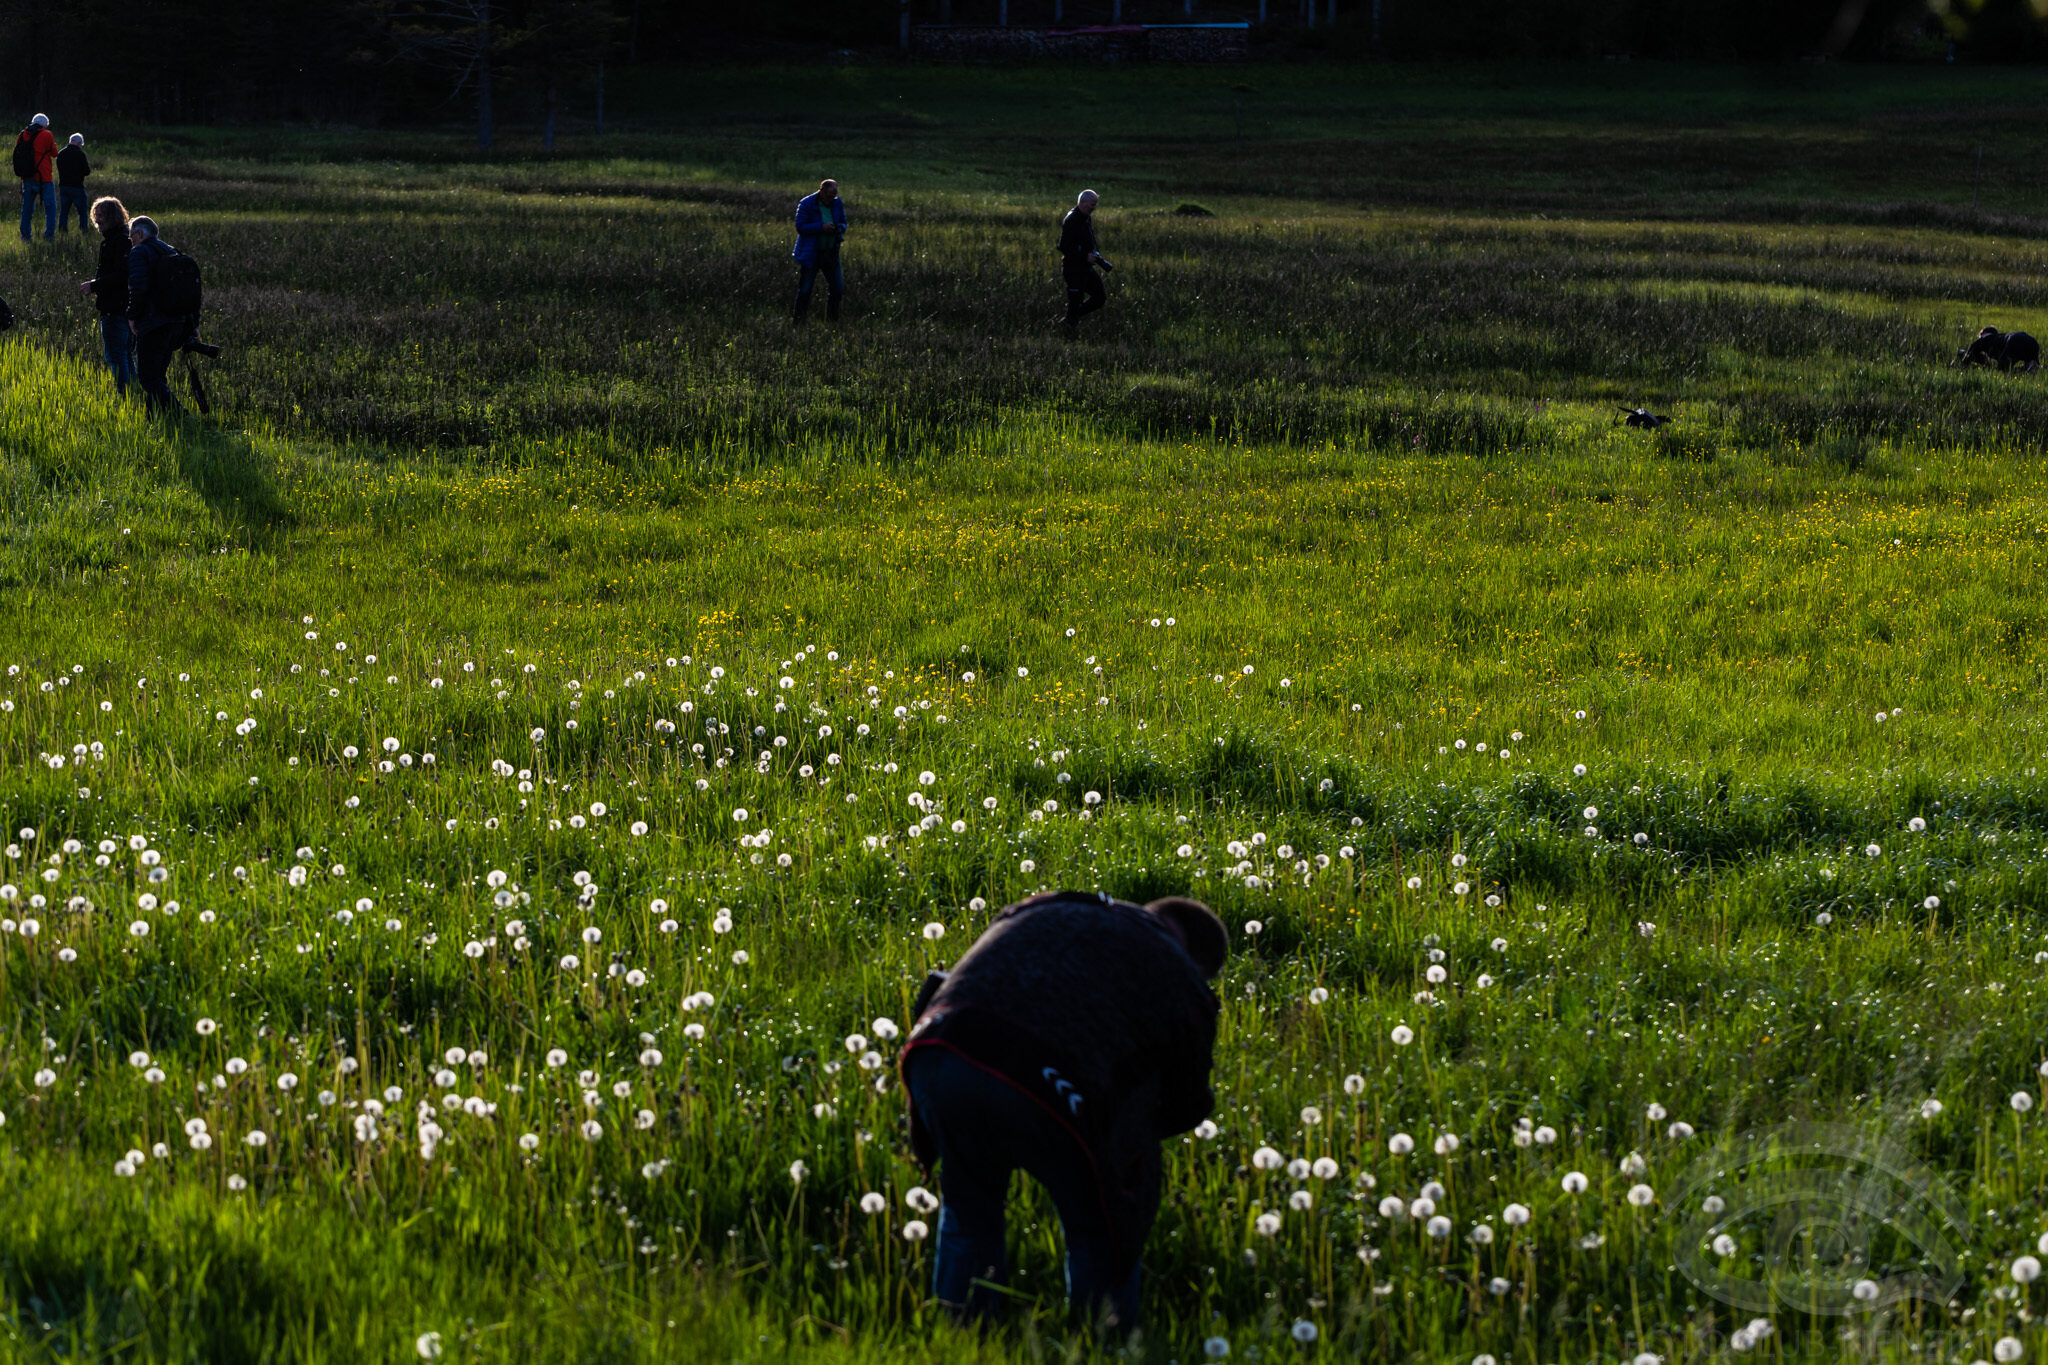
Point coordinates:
[(38, 178)]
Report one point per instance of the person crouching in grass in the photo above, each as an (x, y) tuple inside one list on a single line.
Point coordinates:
[(109, 290), (1075, 1035)]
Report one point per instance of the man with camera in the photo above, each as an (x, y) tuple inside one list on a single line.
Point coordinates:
[(1078, 259)]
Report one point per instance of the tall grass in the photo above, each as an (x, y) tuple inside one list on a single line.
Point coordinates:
[(1723, 944)]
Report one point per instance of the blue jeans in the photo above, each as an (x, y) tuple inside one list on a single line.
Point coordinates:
[(824, 263), (986, 1128), (119, 346), (31, 190), (71, 197)]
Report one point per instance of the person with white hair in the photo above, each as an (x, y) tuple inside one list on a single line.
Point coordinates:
[(34, 149), (72, 169), (1078, 259)]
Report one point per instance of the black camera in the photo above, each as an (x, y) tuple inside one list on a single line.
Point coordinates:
[(205, 348), (1106, 266)]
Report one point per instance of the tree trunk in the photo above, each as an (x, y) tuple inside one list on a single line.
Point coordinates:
[(483, 81)]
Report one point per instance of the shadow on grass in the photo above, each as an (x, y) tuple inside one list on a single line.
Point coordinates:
[(236, 478)]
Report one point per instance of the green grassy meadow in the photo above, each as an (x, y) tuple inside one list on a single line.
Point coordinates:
[(470, 806)]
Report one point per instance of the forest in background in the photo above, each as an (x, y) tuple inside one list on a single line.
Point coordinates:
[(409, 62)]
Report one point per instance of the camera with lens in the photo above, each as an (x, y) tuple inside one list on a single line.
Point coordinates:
[(1104, 263), (197, 347)]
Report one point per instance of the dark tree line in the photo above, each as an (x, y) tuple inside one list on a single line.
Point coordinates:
[(402, 61)]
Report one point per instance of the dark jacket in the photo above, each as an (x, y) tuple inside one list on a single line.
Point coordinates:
[(110, 285), (1077, 237), (1101, 994), (72, 167), (44, 146), (142, 263), (815, 227)]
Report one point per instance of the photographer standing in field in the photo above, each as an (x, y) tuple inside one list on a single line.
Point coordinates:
[(1074, 1035), (158, 332), (820, 228), (109, 291), (1078, 259), (33, 149), (72, 169)]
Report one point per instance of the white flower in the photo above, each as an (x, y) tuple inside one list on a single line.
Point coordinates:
[(1215, 1348), (1574, 1182), (1303, 1331), (2007, 1349), (1354, 1085), (920, 1199), (1724, 1245), (872, 1203), (257, 1138), (1642, 1196), (592, 1130), (1400, 1144), (1515, 1215), (1392, 1207), (428, 1346), (915, 1230), (1438, 1226), (1301, 1201), (1266, 1159), (1207, 1129), (1311, 1116), (1323, 1168), (936, 930), (1266, 1224), (1402, 1035), (1929, 1108), (797, 1172), (2021, 1101), (2026, 1270)]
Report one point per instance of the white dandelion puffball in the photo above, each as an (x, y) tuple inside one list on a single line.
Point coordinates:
[(935, 931), (2021, 1101), (1515, 1215), (1930, 1108), (1267, 1224), (1392, 1207), (1323, 1168), (1724, 1245), (2026, 1270), (592, 1130), (1400, 1144), (2008, 1349), (1301, 1201), (204, 1027), (1574, 1182), (1311, 1116), (428, 1346), (1303, 1331), (915, 1230), (920, 1199), (1642, 1196), (1215, 1348), (1402, 1035), (1266, 1159), (1206, 1130), (1439, 1226), (872, 1203), (1354, 1085)]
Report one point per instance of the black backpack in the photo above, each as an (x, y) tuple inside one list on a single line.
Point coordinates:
[(174, 288), (25, 155)]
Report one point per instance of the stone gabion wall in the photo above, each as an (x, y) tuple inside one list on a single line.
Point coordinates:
[(976, 43)]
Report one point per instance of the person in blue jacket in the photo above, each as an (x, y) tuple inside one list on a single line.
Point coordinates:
[(820, 228)]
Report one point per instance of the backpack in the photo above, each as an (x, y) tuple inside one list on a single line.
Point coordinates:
[(174, 288), (25, 155)]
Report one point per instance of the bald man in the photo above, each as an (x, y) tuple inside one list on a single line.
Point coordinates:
[(1078, 259), (820, 228)]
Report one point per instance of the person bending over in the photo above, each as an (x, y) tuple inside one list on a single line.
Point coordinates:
[(1078, 259), (1071, 1038), (820, 228)]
